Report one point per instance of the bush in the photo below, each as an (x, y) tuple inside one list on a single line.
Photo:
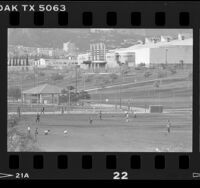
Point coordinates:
[(18, 141), (172, 70), (89, 79), (63, 99), (41, 74), (14, 92), (141, 65), (13, 121), (57, 76), (113, 76), (157, 84), (147, 74), (163, 66), (161, 74), (84, 95), (74, 97), (70, 87), (104, 81), (190, 76), (30, 77)]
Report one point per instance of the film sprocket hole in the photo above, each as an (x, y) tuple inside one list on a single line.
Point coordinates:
[(99, 90)]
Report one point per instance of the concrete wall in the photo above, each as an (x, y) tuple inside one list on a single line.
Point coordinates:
[(174, 55)]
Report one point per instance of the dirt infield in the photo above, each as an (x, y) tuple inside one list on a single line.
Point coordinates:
[(145, 133)]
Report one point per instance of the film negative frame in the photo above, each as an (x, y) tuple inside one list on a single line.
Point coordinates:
[(101, 165)]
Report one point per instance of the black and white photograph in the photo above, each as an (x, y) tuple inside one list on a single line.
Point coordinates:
[(99, 90)]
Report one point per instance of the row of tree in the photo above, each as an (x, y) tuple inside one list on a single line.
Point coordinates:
[(69, 95)]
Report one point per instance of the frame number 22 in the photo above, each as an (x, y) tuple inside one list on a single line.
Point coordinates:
[(120, 175)]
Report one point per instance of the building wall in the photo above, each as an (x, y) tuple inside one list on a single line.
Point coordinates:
[(111, 62), (41, 63), (57, 63), (173, 55), (98, 52), (81, 58), (45, 51), (142, 55), (126, 57)]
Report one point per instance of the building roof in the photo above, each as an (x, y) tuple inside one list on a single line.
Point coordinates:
[(185, 42), (99, 61), (44, 89)]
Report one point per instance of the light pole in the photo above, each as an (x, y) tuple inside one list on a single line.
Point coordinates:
[(76, 77), (117, 56), (120, 98), (69, 99), (166, 50), (21, 80), (84, 81)]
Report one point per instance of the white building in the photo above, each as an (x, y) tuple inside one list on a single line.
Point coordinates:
[(56, 63), (84, 60), (111, 60), (40, 63), (125, 57), (45, 51), (69, 48), (155, 51), (164, 52)]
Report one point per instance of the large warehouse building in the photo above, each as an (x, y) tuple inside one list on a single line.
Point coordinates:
[(152, 52), (172, 52)]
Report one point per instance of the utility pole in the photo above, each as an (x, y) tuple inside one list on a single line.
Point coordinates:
[(69, 99), (84, 81), (120, 97), (34, 71), (21, 78), (76, 77), (117, 58)]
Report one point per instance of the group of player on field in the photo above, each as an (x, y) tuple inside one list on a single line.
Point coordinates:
[(37, 120), (168, 125)]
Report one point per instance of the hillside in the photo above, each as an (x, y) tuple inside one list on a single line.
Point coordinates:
[(82, 37)]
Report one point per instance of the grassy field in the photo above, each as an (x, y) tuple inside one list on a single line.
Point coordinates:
[(29, 79), (173, 94), (146, 133)]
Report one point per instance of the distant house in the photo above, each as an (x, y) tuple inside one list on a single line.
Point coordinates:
[(42, 94), (40, 63), (56, 63)]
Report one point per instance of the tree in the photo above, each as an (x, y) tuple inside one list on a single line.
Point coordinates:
[(157, 84), (64, 91), (147, 74), (114, 76), (70, 87), (14, 92), (74, 97), (57, 77), (161, 74), (84, 95)]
